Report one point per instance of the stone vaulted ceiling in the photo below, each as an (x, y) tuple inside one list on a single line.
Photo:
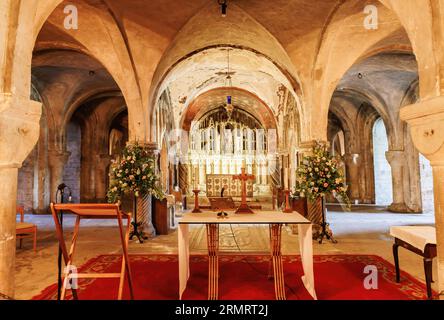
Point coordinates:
[(148, 47)]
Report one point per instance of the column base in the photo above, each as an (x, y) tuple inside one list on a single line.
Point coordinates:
[(399, 208)]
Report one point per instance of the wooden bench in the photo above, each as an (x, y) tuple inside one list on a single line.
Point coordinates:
[(420, 240)]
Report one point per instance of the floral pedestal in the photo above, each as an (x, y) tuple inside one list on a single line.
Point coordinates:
[(144, 216)]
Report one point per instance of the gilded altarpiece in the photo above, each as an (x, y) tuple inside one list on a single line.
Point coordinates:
[(233, 187)]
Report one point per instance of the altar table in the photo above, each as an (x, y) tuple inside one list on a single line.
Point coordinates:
[(275, 220)]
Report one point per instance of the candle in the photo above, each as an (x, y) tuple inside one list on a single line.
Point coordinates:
[(289, 172), (196, 173), (285, 178), (244, 163)]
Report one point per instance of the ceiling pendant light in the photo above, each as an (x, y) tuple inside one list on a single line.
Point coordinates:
[(223, 7), (229, 105)]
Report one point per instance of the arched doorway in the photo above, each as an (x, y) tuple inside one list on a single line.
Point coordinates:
[(382, 169), (426, 172)]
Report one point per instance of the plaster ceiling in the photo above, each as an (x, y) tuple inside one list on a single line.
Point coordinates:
[(207, 70), (240, 99), (75, 71), (387, 76)]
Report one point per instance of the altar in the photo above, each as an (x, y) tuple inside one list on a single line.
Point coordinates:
[(275, 220)]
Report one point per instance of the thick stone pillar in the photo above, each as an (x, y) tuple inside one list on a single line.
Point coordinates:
[(352, 175), (8, 194), (397, 159), (56, 162), (103, 162), (19, 123), (426, 120)]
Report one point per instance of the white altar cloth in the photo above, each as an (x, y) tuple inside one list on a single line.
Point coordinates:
[(260, 217), (417, 236)]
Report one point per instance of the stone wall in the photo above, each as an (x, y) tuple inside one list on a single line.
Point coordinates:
[(71, 174), (25, 193)]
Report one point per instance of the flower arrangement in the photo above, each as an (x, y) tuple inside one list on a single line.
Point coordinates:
[(319, 175), (134, 173)]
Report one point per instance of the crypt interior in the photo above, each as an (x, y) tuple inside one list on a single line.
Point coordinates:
[(159, 73)]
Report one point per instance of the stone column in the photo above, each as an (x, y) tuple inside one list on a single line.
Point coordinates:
[(103, 161), (8, 194), (426, 120), (352, 175), (396, 159), (19, 123), (56, 162), (184, 172)]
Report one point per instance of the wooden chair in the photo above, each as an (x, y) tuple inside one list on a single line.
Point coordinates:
[(25, 230)]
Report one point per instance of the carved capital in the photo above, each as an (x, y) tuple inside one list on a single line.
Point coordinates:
[(58, 158), (19, 128), (395, 157), (152, 147), (352, 159), (426, 121)]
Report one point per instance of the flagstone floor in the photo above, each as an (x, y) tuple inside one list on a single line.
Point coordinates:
[(363, 231)]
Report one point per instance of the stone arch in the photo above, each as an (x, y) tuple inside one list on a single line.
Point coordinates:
[(347, 18), (114, 55), (254, 38), (263, 113)]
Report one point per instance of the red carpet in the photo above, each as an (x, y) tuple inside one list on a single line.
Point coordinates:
[(337, 277)]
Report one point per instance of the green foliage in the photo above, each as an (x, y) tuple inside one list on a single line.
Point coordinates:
[(320, 174), (134, 173)]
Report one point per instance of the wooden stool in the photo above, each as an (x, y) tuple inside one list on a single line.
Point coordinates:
[(420, 240), (93, 211)]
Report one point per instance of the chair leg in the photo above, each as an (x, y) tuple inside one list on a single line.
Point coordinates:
[(428, 267), (124, 238), (21, 243), (396, 258)]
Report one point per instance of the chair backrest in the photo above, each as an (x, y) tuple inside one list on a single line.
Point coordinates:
[(21, 210)]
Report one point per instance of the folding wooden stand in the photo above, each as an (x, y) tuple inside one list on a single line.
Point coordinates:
[(93, 211)]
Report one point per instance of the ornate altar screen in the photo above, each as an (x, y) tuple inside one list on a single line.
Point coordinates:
[(215, 182)]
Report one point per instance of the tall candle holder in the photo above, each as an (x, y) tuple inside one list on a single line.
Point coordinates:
[(196, 201), (288, 208)]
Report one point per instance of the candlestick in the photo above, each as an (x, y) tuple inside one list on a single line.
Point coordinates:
[(287, 208), (285, 178)]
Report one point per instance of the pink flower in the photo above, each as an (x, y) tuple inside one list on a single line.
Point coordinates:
[(325, 184)]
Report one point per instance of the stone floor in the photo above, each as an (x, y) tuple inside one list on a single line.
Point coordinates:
[(363, 231)]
